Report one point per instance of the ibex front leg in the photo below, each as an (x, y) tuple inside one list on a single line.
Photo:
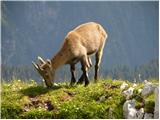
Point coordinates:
[(73, 79), (81, 79)]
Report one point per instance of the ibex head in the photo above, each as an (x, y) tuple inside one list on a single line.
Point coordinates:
[(44, 68)]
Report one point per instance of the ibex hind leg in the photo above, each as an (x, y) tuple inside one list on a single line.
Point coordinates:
[(82, 78), (85, 67), (98, 61), (73, 79)]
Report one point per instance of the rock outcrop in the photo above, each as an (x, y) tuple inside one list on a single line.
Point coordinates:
[(156, 110), (129, 110), (140, 113), (124, 86), (148, 88), (148, 116), (128, 93)]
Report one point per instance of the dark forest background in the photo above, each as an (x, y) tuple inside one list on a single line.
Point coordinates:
[(148, 70)]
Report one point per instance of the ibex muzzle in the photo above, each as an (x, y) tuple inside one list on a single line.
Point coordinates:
[(45, 70)]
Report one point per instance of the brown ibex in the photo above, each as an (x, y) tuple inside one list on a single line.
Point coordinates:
[(84, 40)]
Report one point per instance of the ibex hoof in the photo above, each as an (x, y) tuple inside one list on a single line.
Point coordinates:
[(79, 82), (49, 86), (86, 84), (72, 84)]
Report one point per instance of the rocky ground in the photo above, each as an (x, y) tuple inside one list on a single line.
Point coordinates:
[(129, 107), (107, 99)]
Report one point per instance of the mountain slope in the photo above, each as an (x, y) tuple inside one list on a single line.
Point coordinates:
[(98, 100)]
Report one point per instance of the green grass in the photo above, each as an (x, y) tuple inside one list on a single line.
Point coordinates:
[(29, 100)]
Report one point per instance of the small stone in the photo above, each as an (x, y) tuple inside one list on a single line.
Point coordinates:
[(148, 89), (134, 85), (156, 109), (124, 86), (132, 114), (110, 113), (128, 93), (145, 81), (26, 108), (156, 114), (102, 98), (140, 113), (55, 84), (148, 116), (110, 98), (139, 91), (129, 110)]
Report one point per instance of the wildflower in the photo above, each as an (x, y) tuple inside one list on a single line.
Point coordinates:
[(19, 80), (32, 81)]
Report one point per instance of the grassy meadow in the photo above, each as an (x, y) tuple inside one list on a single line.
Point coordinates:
[(30, 100)]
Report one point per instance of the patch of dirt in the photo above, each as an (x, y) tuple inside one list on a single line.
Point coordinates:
[(70, 93), (110, 86), (67, 96), (36, 103)]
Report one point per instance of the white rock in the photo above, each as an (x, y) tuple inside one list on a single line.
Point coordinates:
[(139, 91), (132, 113), (102, 98), (110, 98), (134, 85), (156, 109), (129, 110), (140, 113), (148, 116), (148, 88), (55, 84), (125, 108), (128, 93), (110, 113), (124, 86), (145, 81)]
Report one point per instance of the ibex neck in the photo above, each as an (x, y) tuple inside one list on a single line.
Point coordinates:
[(58, 60)]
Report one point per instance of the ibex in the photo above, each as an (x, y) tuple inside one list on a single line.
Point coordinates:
[(84, 40)]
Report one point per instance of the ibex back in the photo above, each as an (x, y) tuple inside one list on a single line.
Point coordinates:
[(84, 40)]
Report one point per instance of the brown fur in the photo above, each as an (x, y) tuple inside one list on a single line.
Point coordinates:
[(84, 40), (87, 39)]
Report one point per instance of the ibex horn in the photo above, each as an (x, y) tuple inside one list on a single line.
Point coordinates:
[(41, 60), (35, 65)]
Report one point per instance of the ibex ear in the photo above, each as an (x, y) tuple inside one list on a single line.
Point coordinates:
[(41, 60), (49, 61)]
